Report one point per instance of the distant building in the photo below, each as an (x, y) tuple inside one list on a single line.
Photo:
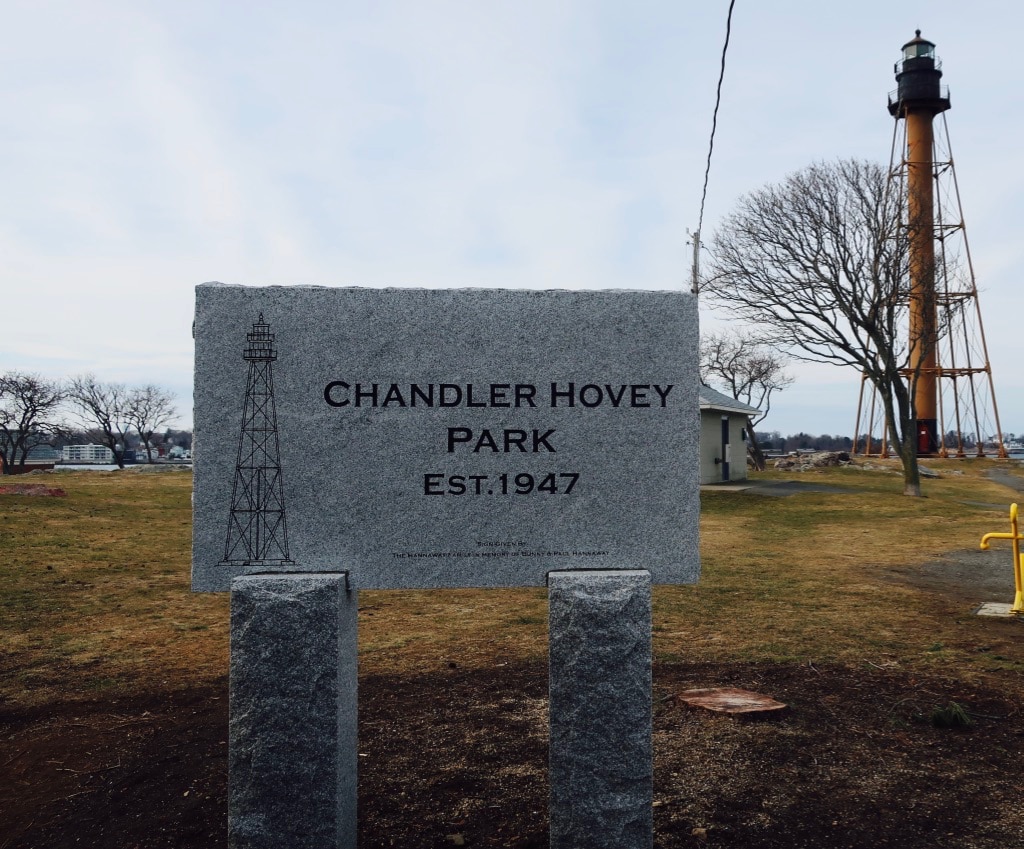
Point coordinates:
[(724, 424), (43, 454), (87, 454), (39, 458)]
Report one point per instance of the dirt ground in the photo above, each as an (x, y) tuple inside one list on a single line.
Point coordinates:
[(457, 756)]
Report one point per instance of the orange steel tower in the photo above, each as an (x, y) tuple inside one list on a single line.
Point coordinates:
[(947, 355), (919, 99)]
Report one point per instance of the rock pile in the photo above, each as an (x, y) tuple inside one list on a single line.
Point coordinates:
[(806, 462)]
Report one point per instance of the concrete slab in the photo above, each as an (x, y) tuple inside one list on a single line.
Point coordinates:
[(726, 487), (998, 609)]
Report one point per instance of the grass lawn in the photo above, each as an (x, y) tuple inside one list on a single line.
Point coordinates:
[(95, 587), (96, 615)]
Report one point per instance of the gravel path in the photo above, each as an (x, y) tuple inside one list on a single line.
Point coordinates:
[(1006, 479), (971, 575)]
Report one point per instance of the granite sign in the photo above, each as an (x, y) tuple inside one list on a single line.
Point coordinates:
[(443, 438)]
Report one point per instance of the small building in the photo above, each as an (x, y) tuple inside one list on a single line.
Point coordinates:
[(26, 451), (724, 425), (87, 454), (40, 458)]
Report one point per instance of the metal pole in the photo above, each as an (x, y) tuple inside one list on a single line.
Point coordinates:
[(695, 271)]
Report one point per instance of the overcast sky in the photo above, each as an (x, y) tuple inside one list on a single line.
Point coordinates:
[(146, 147)]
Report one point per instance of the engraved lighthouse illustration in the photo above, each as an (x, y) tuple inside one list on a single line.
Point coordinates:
[(257, 528)]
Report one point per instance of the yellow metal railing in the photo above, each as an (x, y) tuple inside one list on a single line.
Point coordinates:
[(1014, 535)]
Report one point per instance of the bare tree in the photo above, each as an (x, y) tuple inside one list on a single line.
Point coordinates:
[(103, 408), (148, 408), (29, 405), (742, 365), (819, 263)]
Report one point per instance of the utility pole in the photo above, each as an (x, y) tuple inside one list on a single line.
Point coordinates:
[(695, 270)]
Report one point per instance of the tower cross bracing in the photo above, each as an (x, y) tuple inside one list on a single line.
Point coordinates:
[(948, 365), (257, 527)]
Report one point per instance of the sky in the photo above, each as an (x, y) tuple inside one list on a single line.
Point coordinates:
[(148, 147)]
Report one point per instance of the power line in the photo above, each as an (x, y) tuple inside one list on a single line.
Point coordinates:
[(714, 116), (711, 145)]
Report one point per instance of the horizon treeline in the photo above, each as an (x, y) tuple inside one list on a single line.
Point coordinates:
[(37, 411)]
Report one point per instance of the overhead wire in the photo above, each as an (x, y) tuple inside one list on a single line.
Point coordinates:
[(714, 115), (711, 141)]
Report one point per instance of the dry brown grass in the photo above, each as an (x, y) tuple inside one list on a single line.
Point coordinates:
[(95, 596), (95, 589), (811, 577)]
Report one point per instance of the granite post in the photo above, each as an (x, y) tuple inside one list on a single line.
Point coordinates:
[(600, 710), (292, 740)]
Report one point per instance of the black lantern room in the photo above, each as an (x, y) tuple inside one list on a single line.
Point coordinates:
[(918, 74)]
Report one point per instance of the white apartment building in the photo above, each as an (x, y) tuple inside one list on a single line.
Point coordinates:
[(87, 454)]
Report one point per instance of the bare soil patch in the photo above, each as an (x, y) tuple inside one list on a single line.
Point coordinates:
[(970, 577), (460, 754), (32, 489)]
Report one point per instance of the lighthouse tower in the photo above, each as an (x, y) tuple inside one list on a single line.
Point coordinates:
[(947, 366), (919, 98)]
